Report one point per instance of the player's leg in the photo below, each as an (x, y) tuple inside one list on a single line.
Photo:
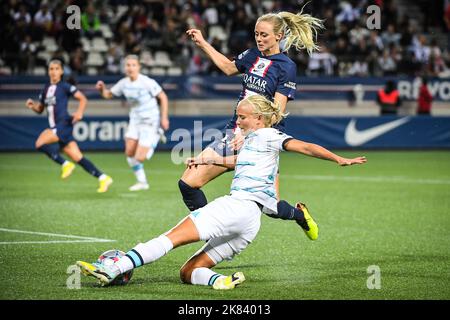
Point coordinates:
[(197, 270), (43, 144), (196, 177), (300, 214), (141, 140), (136, 155), (230, 225), (184, 232), (74, 152)]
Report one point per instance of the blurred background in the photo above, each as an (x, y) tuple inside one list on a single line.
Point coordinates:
[(339, 82)]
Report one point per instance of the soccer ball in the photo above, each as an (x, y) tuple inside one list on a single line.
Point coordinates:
[(108, 258)]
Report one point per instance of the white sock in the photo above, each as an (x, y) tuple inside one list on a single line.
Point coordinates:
[(145, 253), (124, 264), (204, 276), (103, 176), (138, 169)]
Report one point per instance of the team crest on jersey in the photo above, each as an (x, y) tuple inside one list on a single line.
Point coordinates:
[(261, 66)]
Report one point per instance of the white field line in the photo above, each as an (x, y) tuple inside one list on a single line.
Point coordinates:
[(379, 179), (80, 238)]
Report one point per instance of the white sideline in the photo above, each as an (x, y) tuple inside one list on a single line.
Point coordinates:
[(80, 238), (380, 179)]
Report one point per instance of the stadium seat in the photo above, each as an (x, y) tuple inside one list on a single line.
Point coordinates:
[(44, 55), (147, 59), (174, 71), (5, 70), (157, 71), (86, 44), (39, 71), (98, 44), (217, 32), (50, 44), (162, 59), (95, 59), (106, 31), (92, 71)]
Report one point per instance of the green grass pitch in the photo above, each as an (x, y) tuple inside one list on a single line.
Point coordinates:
[(393, 212)]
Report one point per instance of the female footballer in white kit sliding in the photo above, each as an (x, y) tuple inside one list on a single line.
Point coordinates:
[(231, 222)]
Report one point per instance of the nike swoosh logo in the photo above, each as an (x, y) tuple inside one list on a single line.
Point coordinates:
[(355, 137)]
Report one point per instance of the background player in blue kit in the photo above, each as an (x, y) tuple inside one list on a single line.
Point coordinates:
[(266, 71), (55, 98)]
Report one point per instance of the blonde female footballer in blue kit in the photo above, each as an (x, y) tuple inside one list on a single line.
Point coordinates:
[(229, 223), (143, 134), (266, 70)]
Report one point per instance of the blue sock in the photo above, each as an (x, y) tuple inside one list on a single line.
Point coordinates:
[(288, 212), (52, 153), (89, 167), (192, 197)]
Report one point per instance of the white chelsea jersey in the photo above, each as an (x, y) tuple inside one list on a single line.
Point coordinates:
[(257, 167), (140, 95)]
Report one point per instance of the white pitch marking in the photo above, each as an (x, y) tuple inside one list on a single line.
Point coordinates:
[(82, 239), (381, 179), (53, 241)]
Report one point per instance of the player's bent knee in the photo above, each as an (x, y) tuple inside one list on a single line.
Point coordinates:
[(193, 181)]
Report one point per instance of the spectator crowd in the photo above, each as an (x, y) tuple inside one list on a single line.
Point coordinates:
[(35, 31)]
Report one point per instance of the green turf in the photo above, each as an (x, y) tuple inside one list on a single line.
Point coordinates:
[(393, 212)]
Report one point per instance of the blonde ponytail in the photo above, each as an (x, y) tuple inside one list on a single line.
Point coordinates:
[(300, 30)]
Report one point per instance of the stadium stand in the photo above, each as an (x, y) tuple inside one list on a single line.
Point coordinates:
[(412, 41)]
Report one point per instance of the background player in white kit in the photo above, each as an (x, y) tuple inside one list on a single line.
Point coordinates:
[(142, 94), (231, 222)]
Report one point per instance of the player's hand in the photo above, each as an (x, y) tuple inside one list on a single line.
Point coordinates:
[(191, 162), (29, 104), (196, 36), (348, 162), (100, 85), (197, 161), (77, 116), (165, 124), (237, 141)]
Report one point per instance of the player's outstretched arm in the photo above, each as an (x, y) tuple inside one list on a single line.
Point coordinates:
[(36, 107), (164, 106), (78, 115), (226, 162), (101, 87), (314, 150), (223, 63)]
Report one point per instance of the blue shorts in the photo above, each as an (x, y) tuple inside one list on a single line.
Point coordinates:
[(64, 133)]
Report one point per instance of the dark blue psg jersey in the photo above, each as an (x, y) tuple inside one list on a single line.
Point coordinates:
[(55, 98), (265, 75)]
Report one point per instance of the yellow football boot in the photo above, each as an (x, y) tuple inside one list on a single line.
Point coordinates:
[(230, 282), (67, 169), (96, 270), (309, 226), (104, 184)]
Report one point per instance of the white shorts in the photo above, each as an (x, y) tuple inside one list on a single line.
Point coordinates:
[(228, 224), (145, 131)]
